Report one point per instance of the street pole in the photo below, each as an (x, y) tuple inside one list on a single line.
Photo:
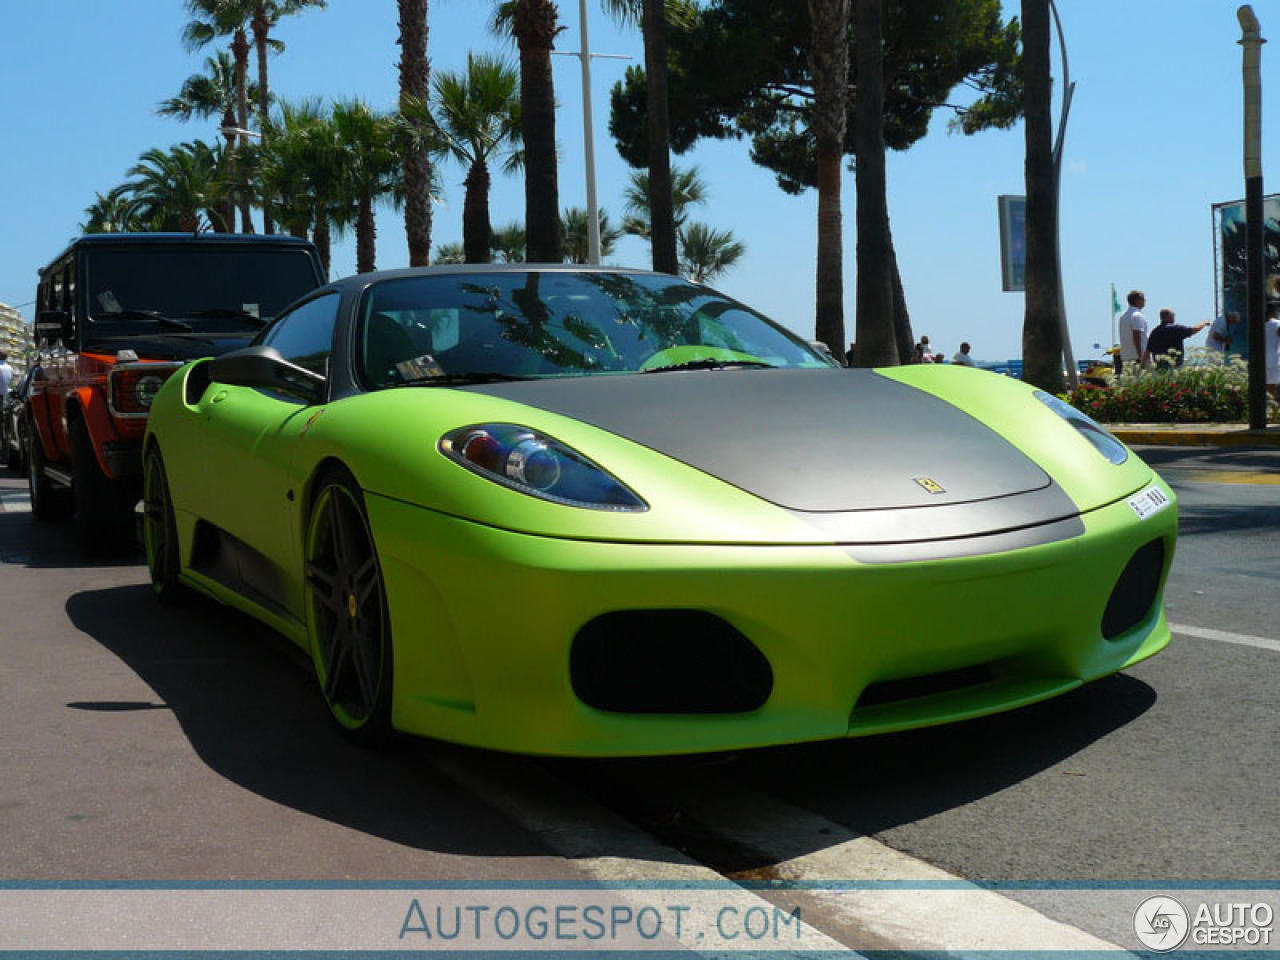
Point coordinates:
[(1068, 88), (1255, 269), (589, 140)]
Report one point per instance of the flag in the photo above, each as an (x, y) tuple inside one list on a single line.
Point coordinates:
[(1115, 302)]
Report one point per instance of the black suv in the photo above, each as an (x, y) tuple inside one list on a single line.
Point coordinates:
[(116, 314)]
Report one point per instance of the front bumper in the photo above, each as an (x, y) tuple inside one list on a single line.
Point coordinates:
[(484, 619)]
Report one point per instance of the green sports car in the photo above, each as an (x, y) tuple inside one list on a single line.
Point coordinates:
[(590, 511)]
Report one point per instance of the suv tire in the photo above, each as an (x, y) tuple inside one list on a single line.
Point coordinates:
[(104, 507), (48, 501)]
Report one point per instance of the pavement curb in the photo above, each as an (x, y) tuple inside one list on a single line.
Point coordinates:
[(1194, 435)]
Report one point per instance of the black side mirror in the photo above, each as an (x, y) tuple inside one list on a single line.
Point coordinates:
[(264, 368), (54, 325)]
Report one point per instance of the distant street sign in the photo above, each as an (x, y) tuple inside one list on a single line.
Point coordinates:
[(1013, 242)]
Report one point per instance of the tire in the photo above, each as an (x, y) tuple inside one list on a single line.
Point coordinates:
[(348, 627), (160, 531), (48, 502), (104, 507), (12, 453)]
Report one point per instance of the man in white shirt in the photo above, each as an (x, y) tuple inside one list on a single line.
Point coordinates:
[(1225, 328), (1271, 350), (963, 357), (6, 376), (1133, 330)]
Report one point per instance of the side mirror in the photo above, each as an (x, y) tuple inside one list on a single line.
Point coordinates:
[(54, 326), (264, 368)]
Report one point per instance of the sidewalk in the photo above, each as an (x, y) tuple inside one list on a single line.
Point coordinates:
[(1196, 434)]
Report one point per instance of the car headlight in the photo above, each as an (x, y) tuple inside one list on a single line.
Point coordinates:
[(538, 465), (1087, 427)]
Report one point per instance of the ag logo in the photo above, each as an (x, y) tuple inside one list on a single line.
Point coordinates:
[(930, 484), (1161, 923)]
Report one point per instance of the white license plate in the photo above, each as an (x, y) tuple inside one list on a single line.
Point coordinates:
[(1149, 502)]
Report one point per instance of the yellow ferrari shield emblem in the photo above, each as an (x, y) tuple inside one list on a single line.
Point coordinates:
[(933, 486)]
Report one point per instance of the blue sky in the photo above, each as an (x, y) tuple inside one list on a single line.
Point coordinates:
[(1153, 141)]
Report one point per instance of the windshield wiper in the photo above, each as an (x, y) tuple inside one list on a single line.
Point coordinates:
[(229, 314), (708, 364), (154, 316), (455, 379)]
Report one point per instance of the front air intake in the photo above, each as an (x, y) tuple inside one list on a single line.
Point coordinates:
[(1135, 591), (667, 661)]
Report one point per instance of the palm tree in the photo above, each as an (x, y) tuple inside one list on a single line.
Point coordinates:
[(370, 168), (706, 253), (264, 16), (508, 243), (534, 25), (210, 94), (176, 188), (221, 18), (829, 63), (415, 159), (577, 245), (653, 16), (478, 115), (450, 253), (112, 212), (876, 344), (1041, 325), (687, 188)]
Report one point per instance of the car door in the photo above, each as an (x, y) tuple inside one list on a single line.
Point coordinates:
[(249, 437)]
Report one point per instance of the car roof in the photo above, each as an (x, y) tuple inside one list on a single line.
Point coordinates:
[(360, 280), (169, 239)]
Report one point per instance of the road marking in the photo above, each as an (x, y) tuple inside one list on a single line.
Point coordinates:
[(15, 501), (921, 907), (1244, 639), (1223, 476)]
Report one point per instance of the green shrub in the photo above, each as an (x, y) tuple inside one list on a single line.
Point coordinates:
[(1205, 390)]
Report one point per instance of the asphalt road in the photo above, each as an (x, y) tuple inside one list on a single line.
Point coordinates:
[(139, 742)]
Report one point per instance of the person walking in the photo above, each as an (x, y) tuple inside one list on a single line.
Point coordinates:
[(1166, 345), (1133, 331), (963, 357), (1271, 350), (6, 376), (1224, 329)]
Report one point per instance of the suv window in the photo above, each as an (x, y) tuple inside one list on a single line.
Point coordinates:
[(196, 286), (305, 336)]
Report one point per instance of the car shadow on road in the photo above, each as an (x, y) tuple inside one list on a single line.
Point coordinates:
[(246, 701), (29, 542)]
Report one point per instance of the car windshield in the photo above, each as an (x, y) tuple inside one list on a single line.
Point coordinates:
[(454, 328), (223, 288)]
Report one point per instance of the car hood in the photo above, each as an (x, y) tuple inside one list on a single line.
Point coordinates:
[(812, 441)]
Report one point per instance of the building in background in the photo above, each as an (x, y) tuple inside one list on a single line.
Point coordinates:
[(15, 338)]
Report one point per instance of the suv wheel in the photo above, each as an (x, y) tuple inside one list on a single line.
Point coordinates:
[(104, 507), (48, 502)]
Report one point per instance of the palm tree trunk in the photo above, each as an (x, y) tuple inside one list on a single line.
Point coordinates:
[(662, 222), (415, 84), (876, 346), (229, 204), (261, 33), (477, 234), (322, 237), (829, 62), (240, 51), (1041, 329), (366, 236), (535, 27), (902, 335)]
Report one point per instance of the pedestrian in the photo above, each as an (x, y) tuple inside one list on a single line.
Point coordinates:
[(6, 376), (1271, 350), (1133, 331), (850, 353), (1166, 345), (1224, 329), (964, 358), (924, 351), (919, 355)]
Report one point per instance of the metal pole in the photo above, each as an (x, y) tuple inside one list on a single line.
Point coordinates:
[(1255, 270), (588, 137), (1068, 88)]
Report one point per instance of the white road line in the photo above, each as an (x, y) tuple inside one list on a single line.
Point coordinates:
[(15, 501), (1244, 639), (943, 912)]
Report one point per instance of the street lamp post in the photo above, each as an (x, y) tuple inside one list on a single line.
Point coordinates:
[(1255, 265), (1068, 89)]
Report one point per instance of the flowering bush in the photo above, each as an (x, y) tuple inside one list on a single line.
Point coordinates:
[(1205, 390)]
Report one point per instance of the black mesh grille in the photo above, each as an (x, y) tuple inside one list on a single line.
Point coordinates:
[(667, 661), (1135, 591)]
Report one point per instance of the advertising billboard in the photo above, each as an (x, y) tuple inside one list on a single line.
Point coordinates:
[(1230, 258), (1013, 242)]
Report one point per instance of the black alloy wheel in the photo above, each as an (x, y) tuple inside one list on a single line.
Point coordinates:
[(48, 501), (160, 530), (347, 621)]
